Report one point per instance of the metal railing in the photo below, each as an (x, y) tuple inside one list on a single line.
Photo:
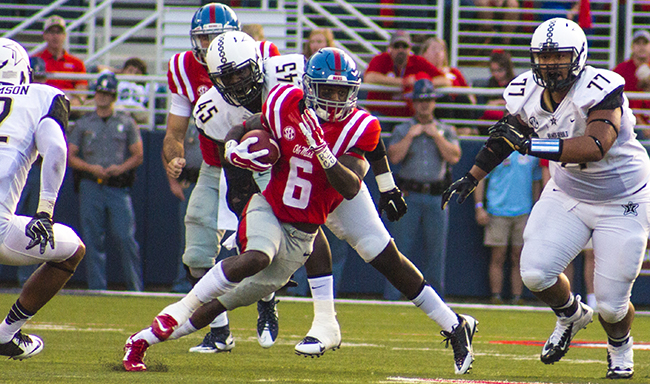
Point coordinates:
[(473, 37)]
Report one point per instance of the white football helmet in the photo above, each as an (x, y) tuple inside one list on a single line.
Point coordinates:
[(14, 63), (558, 35), (235, 67)]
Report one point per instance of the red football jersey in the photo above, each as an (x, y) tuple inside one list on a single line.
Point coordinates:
[(187, 77), (299, 191)]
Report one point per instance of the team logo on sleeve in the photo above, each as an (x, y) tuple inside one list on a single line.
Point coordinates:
[(289, 133), (533, 122), (630, 209), (202, 89)]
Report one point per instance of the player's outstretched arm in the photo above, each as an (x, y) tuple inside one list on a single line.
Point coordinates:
[(51, 144), (498, 147)]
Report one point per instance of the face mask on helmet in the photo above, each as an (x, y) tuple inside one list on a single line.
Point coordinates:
[(208, 22), (15, 69), (558, 53), (331, 84), (235, 67)]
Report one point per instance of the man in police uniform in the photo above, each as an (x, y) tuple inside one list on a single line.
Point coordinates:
[(578, 117), (426, 149), (105, 148)]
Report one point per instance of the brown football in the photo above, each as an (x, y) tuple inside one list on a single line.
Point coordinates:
[(265, 141)]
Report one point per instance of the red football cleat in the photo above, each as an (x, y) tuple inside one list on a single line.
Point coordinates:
[(134, 352)]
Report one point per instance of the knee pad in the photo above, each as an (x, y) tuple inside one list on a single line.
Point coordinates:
[(612, 314), (370, 247), (536, 280)]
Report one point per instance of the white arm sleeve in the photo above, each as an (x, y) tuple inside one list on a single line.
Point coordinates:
[(180, 105), (51, 144)]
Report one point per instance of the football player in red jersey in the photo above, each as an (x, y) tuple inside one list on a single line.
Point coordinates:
[(275, 237), (188, 79), (323, 138), (232, 100)]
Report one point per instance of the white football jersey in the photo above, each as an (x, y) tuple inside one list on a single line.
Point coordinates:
[(214, 116), (21, 109), (625, 167)]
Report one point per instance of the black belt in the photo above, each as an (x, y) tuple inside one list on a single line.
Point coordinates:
[(124, 180), (434, 188)]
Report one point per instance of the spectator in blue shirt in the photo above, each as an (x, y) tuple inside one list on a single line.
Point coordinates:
[(503, 207)]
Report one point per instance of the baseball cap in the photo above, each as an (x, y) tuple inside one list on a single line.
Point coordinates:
[(400, 37), (641, 33), (423, 89), (53, 21), (106, 82)]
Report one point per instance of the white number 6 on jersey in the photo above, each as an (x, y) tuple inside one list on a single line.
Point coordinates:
[(294, 182)]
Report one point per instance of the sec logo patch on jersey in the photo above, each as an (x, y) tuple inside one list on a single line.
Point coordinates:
[(289, 133)]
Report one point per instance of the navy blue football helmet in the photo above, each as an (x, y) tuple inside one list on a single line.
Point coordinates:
[(106, 82), (208, 22), (331, 66)]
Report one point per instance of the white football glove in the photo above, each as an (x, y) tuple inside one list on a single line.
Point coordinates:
[(313, 133), (238, 155)]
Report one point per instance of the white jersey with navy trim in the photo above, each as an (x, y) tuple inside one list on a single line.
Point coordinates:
[(21, 109), (215, 116), (625, 167)]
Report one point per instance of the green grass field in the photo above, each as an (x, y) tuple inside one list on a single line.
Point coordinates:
[(84, 336)]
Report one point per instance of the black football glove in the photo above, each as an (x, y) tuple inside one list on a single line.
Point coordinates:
[(510, 135), (40, 231), (463, 187), (393, 203)]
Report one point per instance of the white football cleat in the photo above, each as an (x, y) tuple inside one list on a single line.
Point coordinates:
[(322, 337), (620, 360), (22, 346)]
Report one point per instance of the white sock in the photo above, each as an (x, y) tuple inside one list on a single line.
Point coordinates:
[(16, 318), (324, 310), (322, 288), (147, 335), (431, 304), (213, 284), (220, 321), (185, 329), (182, 310)]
